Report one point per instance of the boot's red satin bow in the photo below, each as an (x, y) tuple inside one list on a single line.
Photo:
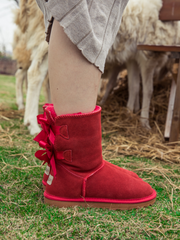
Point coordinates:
[(45, 125), (47, 155), (46, 140)]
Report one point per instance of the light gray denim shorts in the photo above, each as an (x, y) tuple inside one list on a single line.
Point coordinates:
[(90, 24)]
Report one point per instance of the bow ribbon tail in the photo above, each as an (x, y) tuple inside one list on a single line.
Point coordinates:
[(52, 137), (39, 117), (43, 121), (53, 165)]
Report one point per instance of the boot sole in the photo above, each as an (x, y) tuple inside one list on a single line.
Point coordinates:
[(112, 206)]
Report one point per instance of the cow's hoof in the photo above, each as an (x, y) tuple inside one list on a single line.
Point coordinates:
[(34, 129), (145, 124), (21, 107)]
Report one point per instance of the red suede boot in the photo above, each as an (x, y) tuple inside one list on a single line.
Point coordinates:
[(44, 135), (78, 174)]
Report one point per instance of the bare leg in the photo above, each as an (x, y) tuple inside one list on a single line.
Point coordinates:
[(74, 81)]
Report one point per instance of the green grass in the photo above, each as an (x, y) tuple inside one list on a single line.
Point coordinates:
[(8, 92), (23, 214)]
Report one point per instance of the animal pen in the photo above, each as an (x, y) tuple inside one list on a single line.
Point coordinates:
[(123, 130), (127, 137)]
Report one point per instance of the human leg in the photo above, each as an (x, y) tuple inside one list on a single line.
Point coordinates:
[(74, 81)]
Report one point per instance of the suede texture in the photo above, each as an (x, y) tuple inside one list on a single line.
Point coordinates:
[(65, 184), (84, 139), (62, 141), (85, 173), (106, 183), (124, 170), (114, 183)]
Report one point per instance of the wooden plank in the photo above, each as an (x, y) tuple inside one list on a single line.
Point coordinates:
[(158, 48), (170, 10), (170, 111), (175, 127)]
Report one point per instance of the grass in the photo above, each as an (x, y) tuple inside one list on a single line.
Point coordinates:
[(23, 214)]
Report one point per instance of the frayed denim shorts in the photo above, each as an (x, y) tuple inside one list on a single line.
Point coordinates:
[(91, 25)]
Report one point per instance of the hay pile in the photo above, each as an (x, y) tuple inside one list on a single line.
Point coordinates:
[(123, 133)]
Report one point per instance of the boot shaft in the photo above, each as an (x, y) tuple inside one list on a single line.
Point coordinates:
[(77, 139)]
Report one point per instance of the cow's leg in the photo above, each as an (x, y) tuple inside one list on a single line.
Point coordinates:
[(36, 76), (147, 72), (137, 105), (133, 85), (111, 84), (20, 75)]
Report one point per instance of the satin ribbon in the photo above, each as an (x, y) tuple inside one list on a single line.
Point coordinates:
[(45, 125), (47, 155), (46, 140)]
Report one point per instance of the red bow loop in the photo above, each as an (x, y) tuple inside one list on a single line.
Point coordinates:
[(42, 136), (44, 122), (42, 155), (43, 144), (47, 155)]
